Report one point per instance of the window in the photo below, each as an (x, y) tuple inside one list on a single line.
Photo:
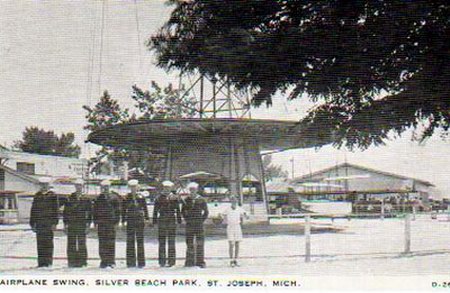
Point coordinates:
[(27, 168)]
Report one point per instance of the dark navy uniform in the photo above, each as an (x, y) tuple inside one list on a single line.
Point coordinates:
[(195, 212), (166, 214), (134, 214), (106, 215), (77, 217), (43, 218)]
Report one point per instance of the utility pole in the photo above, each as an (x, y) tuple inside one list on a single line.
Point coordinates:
[(292, 167)]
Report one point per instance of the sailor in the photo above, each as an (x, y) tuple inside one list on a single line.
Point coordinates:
[(166, 214), (77, 218), (195, 212), (43, 221), (106, 216), (134, 216)]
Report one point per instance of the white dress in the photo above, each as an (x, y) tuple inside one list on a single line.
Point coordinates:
[(234, 230)]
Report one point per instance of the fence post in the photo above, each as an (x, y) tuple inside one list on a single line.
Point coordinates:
[(307, 238), (407, 234)]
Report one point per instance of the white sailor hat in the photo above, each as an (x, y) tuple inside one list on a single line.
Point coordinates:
[(168, 183), (47, 180), (105, 183), (133, 182), (78, 181), (192, 185)]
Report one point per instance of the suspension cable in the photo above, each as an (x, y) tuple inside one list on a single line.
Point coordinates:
[(138, 31), (101, 47)]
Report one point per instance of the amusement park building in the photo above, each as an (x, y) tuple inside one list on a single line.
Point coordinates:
[(19, 179), (43, 165), (361, 181)]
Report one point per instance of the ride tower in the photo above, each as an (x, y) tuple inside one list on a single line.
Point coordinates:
[(220, 148)]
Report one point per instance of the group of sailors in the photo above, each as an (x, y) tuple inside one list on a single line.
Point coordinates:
[(107, 211)]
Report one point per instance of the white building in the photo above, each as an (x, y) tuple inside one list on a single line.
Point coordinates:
[(19, 179), (348, 178), (43, 165)]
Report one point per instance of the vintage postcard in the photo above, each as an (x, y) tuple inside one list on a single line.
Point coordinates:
[(218, 144)]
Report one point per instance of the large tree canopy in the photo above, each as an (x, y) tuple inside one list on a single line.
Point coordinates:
[(371, 66), (46, 142)]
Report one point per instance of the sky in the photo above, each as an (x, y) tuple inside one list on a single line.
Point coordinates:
[(53, 61)]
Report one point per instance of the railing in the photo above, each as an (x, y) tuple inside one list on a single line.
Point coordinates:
[(409, 220)]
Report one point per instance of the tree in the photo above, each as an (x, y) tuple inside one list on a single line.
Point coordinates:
[(272, 171), (156, 103), (163, 103), (40, 141), (106, 112), (372, 67)]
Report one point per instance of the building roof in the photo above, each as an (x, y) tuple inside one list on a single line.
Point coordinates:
[(19, 174), (344, 165), (8, 192), (7, 153), (278, 185), (34, 179)]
